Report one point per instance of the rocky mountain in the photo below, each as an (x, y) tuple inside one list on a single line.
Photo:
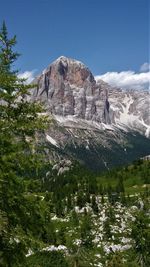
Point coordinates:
[(129, 109), (92, 121), (68, 88)]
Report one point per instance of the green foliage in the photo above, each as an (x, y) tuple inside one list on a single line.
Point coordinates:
[(61, 238), (94, 204), (141, 237), (79, 256), (116, 260), (7, 56), (107, 228), (19, 157), (126, 180), (86, 231), (47, 259), (74, 218)]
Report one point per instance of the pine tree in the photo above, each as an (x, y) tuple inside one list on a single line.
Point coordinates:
[(62, 235), (80, 199), (74, 218), (120, 185), (107, 229), (20, 154), (116, 261), (141, 236), (86, 231), (94, 204), (79, 256)]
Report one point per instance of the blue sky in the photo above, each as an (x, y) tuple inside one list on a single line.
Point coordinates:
[(107, 35)]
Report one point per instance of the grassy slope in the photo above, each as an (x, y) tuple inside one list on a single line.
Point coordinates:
[(68, 233)]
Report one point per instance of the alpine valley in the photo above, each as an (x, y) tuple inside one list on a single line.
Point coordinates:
[(74, 159), (92, 122)]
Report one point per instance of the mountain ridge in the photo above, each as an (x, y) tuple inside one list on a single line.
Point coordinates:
[(90, 118)]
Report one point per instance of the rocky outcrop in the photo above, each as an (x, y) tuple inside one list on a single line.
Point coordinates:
[(67, 87)]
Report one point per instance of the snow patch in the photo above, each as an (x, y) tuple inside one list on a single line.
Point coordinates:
[(30, 252), (53, 248), (51, 140), (125, 117), (74, 122), (147, 132)]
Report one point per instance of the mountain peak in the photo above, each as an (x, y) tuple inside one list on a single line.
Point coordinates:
[(69, 61), (68, 88)]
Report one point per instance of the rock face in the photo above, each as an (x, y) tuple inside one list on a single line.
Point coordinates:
[(67, 87), (129, 109)]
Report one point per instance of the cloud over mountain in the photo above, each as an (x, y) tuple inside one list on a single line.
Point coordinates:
[(128, 79), (28, 75), (124, 79)]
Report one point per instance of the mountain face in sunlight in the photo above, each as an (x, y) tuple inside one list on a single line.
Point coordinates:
[(92, 119)]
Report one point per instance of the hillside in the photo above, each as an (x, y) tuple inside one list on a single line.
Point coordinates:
[(82, 219)]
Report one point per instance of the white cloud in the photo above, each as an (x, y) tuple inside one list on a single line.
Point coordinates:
[(127, 79), (29, 75), (145, 67)]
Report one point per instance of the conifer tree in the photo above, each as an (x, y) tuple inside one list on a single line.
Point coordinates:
[(94, 204), (141, 236), (107, 228), (116, 261), (19, 154), (74, 218), (86, 231)]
